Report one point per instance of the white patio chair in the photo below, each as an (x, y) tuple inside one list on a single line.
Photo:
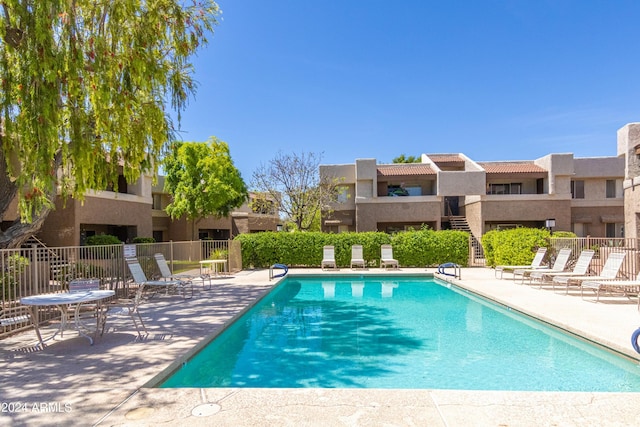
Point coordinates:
[(328, 258), (179, 286), (536, 263), (128, 309), (386, 257), (166, 273), (357, 259)]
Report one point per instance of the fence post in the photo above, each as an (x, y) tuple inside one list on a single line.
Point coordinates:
[(34, 270), (171, 253)]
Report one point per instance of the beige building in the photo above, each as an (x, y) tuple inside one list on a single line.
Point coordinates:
[(629, 149), (583, 195), (245, 219), (137, 210)]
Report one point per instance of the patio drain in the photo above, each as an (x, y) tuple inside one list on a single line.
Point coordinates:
[(205, 410)]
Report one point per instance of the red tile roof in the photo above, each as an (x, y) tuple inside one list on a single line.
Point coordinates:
[(511, 167), (403, 169)]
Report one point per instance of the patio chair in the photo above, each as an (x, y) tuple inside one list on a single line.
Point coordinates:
[(609, 271), (559, 265), (86, 311), (127, 308), (179, 286), (579, 269), (357, 259), (386, 257), (627, 288), (536, 263), (328, 258), (166, 273)]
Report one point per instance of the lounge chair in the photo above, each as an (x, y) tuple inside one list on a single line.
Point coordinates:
[(625, 287), (558, 265), (328, 258), (357, 259), (127, 308), (536, 263), (166, 273), (609, 272), (386, 257), (579, 269), (180, 286)]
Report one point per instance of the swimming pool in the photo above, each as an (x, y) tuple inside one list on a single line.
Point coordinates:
[(400, 332)]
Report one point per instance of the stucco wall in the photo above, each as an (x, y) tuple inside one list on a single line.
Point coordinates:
[(368, 215), (529, 210)]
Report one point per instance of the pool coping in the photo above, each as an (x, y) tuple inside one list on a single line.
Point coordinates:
[(105, 383)]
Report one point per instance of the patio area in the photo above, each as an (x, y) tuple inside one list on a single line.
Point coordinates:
[(73, 383)]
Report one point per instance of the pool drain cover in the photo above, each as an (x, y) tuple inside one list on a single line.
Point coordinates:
[(205, 410)]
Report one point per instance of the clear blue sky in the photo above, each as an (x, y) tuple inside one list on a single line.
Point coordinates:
[(494, 79)]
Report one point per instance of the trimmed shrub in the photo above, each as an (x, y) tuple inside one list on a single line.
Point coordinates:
[(517, 246), (102, 239), (411, 248), (143, 240)]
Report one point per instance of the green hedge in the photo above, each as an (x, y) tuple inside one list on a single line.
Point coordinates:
[(516, 246), (411, 248)]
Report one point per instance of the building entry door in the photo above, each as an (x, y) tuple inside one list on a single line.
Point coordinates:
[(451, 206)]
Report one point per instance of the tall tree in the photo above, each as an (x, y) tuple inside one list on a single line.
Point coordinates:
[(202, 181), (407, 159), (85, 89), (294, 181)]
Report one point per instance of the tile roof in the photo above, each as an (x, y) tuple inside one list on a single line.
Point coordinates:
[(511, 167), (403, 169)]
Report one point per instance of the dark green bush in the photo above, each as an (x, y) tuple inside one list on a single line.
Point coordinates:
[(102, 239), (143, 240), (411, 248)]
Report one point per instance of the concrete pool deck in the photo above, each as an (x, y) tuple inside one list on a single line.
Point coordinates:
[(72, 383)]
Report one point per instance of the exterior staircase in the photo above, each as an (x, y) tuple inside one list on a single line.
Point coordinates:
[(59, 267), (460, 223)]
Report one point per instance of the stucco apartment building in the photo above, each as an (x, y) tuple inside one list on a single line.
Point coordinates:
[(137, 210), (597, 196), (589, 196)]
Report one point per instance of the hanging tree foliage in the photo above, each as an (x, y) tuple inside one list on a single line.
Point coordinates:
[(86, 86)]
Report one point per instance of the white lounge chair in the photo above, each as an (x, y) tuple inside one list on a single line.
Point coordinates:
[(558, 265), (328, 258), (357, 259), (609, 271), (625, 287), (386, 257), (579, 269), (166, 273), (180, 286), (536, 263)]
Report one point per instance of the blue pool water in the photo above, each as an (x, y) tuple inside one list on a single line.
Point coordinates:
[(402, 333)]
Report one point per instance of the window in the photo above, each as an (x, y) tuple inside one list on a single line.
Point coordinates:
[(343, 194), (157, 201), (580, 229), (611, 188), (577, 189), (513, 188), (611, 230)]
